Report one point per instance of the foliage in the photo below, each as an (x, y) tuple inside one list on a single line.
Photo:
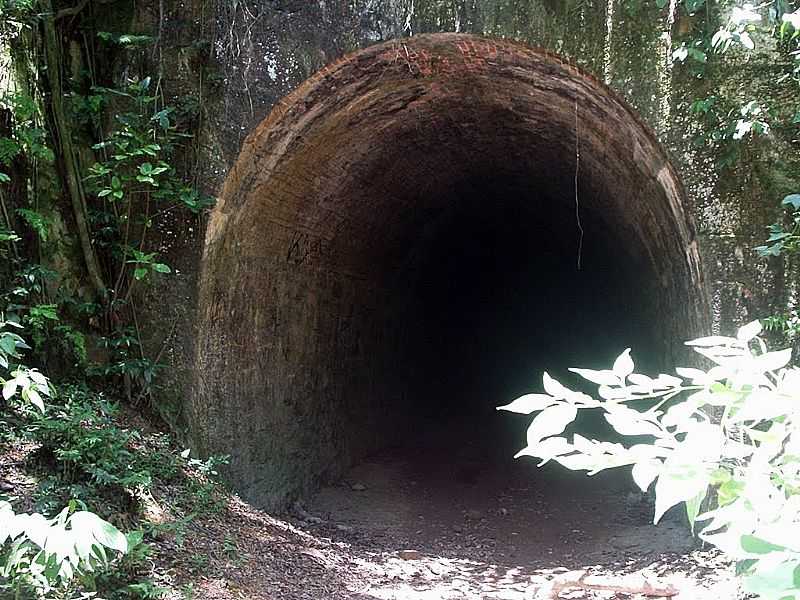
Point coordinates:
[(93, 457), (38, 554), (726, 125), (781, 238), (41, 555), (748, 453)]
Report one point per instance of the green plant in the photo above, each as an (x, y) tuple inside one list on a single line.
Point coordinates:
[(748, 452), (92, 457), (22, 387), (40, 555), (781, 238)]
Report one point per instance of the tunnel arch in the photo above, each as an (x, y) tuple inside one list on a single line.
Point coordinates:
[(370, 221)]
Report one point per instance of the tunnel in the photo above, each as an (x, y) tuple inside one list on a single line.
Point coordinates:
[(410, 238)]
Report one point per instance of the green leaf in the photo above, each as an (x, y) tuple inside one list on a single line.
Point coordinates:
[(755, 545), (139, 273), (693, 5), (792, 200), (693, 508), (8, 345), (161, 268)]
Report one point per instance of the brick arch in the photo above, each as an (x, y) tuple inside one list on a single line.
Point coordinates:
[(310, 292)]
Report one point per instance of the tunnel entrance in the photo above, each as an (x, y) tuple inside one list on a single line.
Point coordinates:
[(410, 239)]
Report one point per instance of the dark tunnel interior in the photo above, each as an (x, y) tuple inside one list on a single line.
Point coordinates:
[(503, 295)]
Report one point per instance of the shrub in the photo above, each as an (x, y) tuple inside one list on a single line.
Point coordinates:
[(37, 554), (731, 429)]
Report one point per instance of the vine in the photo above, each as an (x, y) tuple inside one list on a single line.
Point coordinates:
[(117, 182)]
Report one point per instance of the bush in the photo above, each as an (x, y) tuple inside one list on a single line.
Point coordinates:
[(92, 455), (39, 555), (732, 429)]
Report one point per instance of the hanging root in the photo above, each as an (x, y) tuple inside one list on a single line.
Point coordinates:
[(622, 585)]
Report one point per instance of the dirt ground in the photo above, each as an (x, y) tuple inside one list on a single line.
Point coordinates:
[(435, 521)]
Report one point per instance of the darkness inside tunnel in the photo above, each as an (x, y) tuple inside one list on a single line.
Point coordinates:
[(396, 252), (533, 286)]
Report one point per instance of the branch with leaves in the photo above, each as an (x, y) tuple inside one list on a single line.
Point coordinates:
[(750, 455)]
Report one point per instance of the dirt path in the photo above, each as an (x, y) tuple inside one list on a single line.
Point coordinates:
[(471, 523), (445, 521)]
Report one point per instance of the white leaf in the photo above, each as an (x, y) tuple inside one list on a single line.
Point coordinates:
[(578, 462), (611, 393), (547, 449), (643, 381), (551, 421), (529, 403), (703, 443), (732, 361), (712, 340), (793, 19), (772, 361), (582, 444), (737, 450), (645, 472), (790, 382), (680, 415), (693, 375), (38, 378), (627, 421), (678, 483), (744, 15), (761, 405), (664, 381), (604, 377), (90, 525), (680, 54), (35, 399), (746, 40), (9, 388), (553, 387), (36, 528), (749, 331), (623, 366)]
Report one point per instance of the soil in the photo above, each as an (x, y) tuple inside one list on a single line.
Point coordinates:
[(429, 522), (437, 520)]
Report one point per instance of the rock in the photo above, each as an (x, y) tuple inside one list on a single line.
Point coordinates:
[(409, 554), (344, 528), (6, 487), (473, 515), (358, 486), (458, 528)]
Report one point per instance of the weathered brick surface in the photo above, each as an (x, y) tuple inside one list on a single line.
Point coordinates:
[(306, 297)]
